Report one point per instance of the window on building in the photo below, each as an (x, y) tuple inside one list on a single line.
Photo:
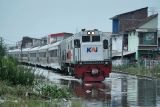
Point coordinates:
[(148, 38)]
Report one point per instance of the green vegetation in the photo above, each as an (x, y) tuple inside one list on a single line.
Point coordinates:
[(76, 103), (11, 92), (52, 91), (17, 81), (137, 69), (15, 74)]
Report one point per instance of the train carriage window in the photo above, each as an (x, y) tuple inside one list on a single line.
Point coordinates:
[(77, 43), (105, 44), (32, 54), (24, 55), (42, 54), (85, 38), (53, 53), (95, 38)]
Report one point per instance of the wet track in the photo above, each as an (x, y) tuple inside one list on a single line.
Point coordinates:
[(119, 90)]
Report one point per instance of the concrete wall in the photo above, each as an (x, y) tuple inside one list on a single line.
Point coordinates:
[(133, 42), (117, 43)]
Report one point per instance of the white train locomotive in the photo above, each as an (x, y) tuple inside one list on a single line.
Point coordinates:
[(86, 55)]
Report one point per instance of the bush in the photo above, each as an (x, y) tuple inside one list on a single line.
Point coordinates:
[(53, 91), (16, 74)]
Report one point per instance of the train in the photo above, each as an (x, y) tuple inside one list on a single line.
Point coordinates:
[(86, 55)]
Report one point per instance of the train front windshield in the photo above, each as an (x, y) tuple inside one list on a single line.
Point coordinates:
[(90, 38)]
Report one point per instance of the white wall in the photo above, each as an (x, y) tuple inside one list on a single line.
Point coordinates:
[(133, 42), (117, 43)]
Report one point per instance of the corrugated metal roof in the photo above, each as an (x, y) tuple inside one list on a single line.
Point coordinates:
[(117, 16), (59, 34), (120, 53), (143, 22)]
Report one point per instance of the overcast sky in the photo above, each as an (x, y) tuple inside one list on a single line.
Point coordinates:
[(37, 18)]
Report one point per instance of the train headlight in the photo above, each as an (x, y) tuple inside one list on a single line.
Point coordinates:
[(106, 63), (93, 33), (88, 32), (94, 71)]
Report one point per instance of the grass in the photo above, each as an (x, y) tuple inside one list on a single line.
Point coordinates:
[(12, 92), (139, 70)]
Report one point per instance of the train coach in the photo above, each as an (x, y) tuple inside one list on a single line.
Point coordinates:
[(86, 55)]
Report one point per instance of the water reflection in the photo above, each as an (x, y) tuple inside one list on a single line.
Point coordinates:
[(127, 92), (116, 91), (91, 94), (146, 92), (119, 92)]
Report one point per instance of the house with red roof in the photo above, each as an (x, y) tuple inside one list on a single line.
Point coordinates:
[(52, 38)]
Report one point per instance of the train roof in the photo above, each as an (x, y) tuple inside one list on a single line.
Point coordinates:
[(54, 46), (43, 48), (15, 50), (35, 48), (26, 49)]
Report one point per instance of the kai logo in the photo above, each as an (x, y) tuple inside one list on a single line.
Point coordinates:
[(92, 49)]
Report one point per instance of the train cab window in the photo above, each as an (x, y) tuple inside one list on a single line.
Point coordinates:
[(95, 38), (85, 38), (77, 43), (105, 44)]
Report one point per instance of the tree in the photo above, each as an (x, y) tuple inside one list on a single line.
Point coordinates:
[(2, 48), (2, 51)]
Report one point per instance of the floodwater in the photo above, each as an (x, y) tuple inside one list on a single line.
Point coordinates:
[(118, 90)]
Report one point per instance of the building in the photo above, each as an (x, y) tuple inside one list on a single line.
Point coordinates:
[(125, 46), (44, 40), (58, 36), (143, 38), (29, 42)]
